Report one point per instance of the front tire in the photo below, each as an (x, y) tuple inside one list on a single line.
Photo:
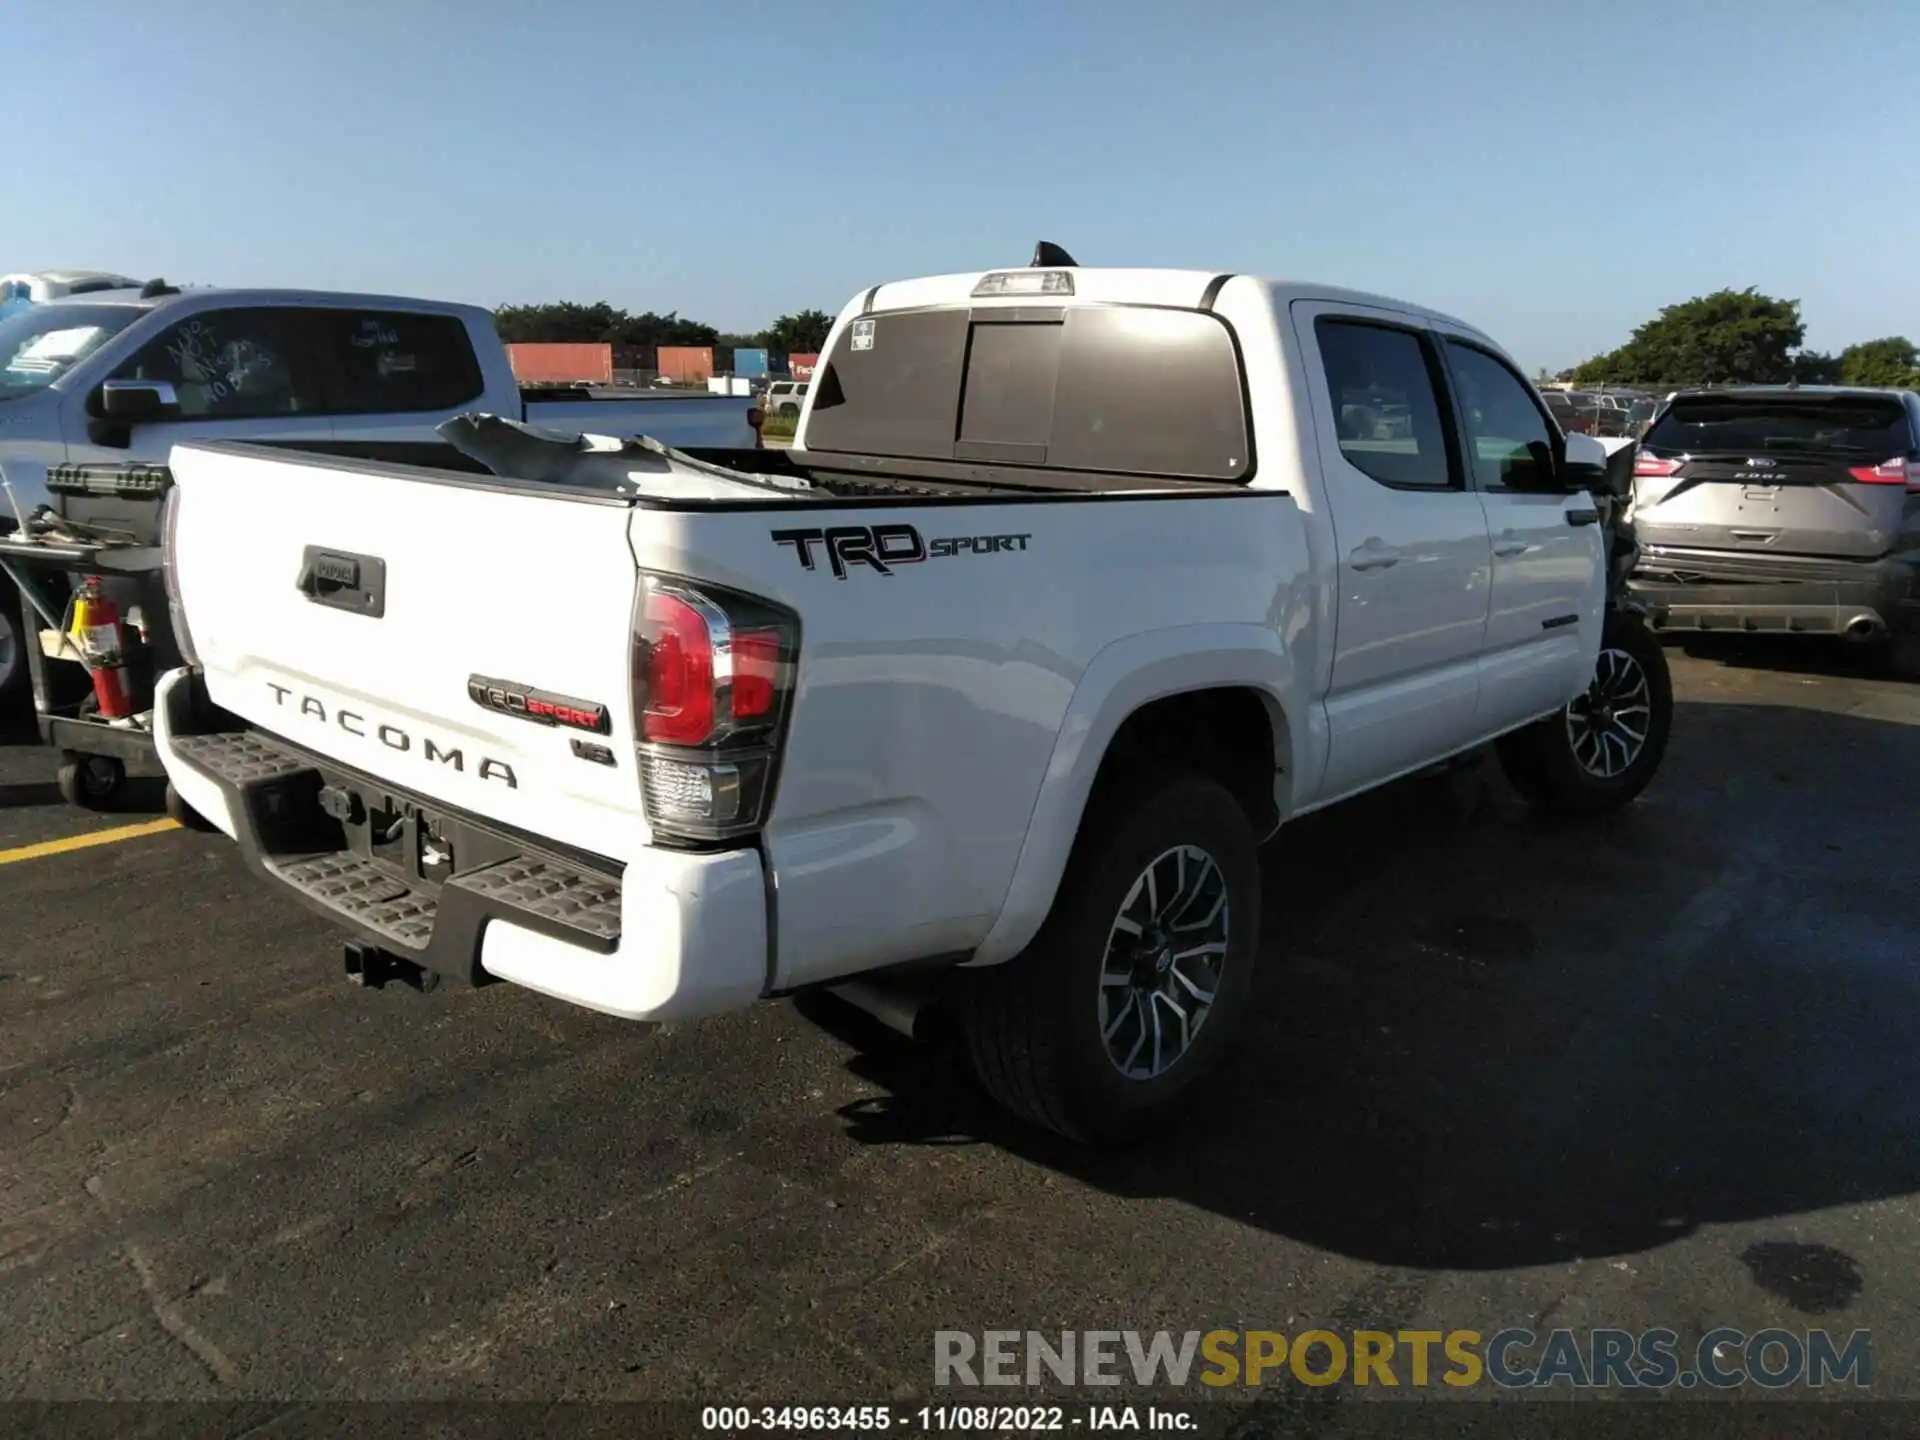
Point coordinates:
[(1604, 748), (1128, 999)]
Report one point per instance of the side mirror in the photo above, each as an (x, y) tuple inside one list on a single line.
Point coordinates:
[(1540, 473), (1583, 467), (135, 402)]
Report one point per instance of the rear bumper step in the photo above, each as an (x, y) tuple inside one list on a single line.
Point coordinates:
[(273, 792)]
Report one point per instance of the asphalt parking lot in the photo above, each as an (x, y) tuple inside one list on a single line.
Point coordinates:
[(1660, 1070)]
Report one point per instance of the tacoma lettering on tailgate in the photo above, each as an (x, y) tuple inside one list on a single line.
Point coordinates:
[(311, 707)]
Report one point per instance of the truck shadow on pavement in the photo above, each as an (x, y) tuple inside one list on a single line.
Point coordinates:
[(30, 794), (17, 725), (1796, 655), (1485, 1040)]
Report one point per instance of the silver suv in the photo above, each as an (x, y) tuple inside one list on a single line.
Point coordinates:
[(1789, 509)]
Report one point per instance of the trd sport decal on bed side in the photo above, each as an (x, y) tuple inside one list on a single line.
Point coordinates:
[(885, 546)]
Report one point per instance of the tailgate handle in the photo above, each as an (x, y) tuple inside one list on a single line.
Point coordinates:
[(343, 580), (1583, 517)]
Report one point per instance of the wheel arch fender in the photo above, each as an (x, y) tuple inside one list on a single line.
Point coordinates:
[(1124, 679)]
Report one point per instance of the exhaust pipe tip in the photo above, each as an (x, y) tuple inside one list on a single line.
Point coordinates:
[(902, 1008), (1863, 628)]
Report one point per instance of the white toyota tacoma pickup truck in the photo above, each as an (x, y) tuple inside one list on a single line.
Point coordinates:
[(1077, 585)]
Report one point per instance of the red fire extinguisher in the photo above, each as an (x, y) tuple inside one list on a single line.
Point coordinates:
[(97, 633)]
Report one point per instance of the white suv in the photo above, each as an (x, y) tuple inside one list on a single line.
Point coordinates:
[(785, 397)]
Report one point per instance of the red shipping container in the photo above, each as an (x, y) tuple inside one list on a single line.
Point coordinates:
[(803, 366), (686, 364), (554, 363)]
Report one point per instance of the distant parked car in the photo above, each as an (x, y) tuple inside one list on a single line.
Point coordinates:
[(785, 397), (40, 286), (1611, 411), (1785, 509), (1572, 409)]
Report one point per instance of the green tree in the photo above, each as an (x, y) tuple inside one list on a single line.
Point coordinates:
[(597, 323), (650, 331), (1730, 336), (802, 334), (1893, 361), (1816, 367), (566, 321), (601, 323)]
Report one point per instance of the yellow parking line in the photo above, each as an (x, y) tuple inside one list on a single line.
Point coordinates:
[(82, 842)]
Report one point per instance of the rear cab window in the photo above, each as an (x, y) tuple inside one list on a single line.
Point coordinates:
[(1876, 427), (393, 361), (1113, 389), (1385, 389)]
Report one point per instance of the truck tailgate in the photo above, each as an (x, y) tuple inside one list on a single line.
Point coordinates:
[(454, 637)]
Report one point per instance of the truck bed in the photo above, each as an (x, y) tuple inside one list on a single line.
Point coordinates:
[(877, 480), (884, 478)]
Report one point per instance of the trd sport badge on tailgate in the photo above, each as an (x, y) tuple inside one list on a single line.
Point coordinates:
[(539, 706)]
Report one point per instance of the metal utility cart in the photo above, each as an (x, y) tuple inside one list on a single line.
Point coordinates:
[(107, 524)]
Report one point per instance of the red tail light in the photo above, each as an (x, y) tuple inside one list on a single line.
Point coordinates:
[(679, 708), (1897, 471), (756, 668), (712, 674), (1653, 465)]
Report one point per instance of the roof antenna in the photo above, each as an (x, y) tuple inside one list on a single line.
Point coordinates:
[(153, 289), (1047, 255)]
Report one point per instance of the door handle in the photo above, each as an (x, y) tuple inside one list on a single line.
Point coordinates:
[(1374, 555), (1588, 516), (1509, 543)]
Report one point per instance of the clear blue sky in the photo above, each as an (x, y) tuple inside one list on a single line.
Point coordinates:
[(1553, 172)]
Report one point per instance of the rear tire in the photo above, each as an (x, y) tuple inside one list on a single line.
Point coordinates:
[(1604, 748), (1065, 1034), (183, 814)]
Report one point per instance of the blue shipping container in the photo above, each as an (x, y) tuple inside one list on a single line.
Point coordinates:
[(752, 363), (777, 363)]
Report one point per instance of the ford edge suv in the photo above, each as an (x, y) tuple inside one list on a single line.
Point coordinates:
[(1787, 509)]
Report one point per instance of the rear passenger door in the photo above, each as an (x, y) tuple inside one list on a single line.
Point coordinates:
[(397, 374), (1411, 545), (1549, 572)]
